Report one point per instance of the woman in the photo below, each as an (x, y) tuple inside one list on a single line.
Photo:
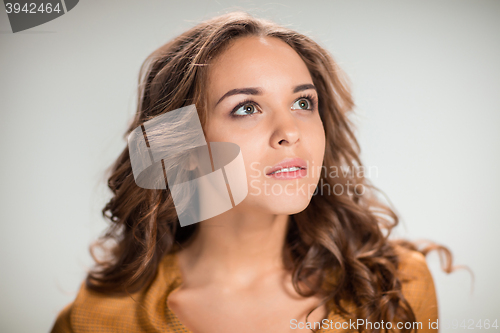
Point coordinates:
[(313, 256)]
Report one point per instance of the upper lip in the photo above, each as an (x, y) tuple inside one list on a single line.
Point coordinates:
[(288, 163)]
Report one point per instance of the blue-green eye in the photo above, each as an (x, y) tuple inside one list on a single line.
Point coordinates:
[(245, 110), (302, 103)]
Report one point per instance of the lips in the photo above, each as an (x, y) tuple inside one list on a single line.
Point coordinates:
[(287, 165)]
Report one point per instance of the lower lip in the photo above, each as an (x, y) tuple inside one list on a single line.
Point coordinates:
[(289, 174)]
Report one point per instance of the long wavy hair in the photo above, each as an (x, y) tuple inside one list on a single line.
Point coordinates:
[(342, 235)]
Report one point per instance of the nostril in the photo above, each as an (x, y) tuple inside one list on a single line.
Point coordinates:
[(281, 141)]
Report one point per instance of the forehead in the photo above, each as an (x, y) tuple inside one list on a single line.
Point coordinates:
[(254, 61)]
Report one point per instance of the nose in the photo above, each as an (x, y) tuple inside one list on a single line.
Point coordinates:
[(286, 131)]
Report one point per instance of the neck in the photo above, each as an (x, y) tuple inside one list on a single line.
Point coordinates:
[(238, 246)]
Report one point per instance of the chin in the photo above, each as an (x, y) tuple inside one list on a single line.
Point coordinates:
[(287, 205)]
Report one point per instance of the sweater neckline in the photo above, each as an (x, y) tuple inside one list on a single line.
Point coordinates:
[(173, 276)]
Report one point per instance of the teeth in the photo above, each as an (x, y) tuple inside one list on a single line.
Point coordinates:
[(286, 170)]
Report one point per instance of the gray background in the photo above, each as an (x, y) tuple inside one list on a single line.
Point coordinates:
[(426, 80)]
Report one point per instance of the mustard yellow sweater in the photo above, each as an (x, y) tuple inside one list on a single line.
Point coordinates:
[(147, 311)]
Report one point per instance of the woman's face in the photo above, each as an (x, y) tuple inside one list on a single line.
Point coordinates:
[(261, 96)]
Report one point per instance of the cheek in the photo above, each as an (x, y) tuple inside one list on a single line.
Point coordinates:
[(321, 144), (250, 144), (316, 142), (251, 150), (211, 132)]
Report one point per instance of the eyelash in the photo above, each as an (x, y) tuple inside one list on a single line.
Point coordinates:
[(311, 98)]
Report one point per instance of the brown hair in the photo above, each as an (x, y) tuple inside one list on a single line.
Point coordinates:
[(344, 235)]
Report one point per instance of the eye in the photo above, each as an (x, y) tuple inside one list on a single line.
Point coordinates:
[(245, 110), (302, 103)]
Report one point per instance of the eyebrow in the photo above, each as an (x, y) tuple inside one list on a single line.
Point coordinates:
[(258, 91)]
